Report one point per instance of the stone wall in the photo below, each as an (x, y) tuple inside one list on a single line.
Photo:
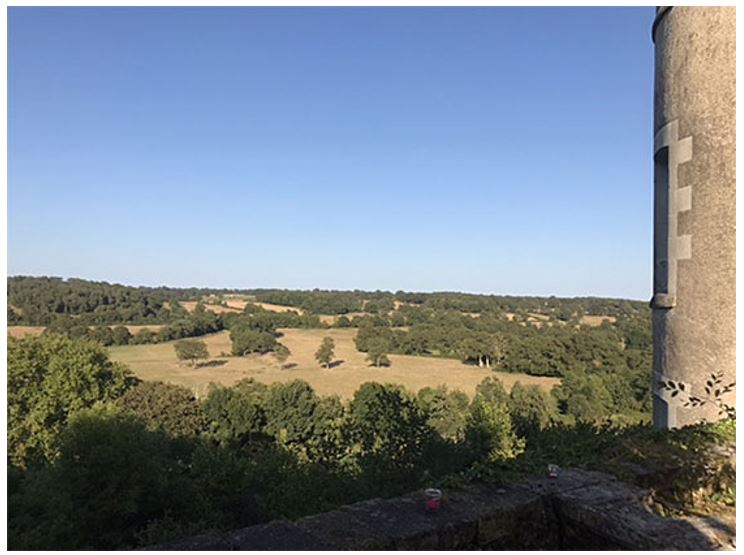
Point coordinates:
[(578, 510)]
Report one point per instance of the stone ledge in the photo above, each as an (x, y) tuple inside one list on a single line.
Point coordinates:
[(580, 510)]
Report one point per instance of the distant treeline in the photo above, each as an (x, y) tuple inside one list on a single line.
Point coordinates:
[(197, 323), (39, 300), (36, 301)]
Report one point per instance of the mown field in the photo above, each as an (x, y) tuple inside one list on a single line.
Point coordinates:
[(158, 362)]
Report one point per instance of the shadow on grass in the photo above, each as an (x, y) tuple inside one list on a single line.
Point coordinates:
[(211, 363)]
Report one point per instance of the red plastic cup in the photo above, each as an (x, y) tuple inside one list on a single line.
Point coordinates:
[(433, 499)]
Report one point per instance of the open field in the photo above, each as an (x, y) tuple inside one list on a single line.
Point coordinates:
[(158, 362), (237, 304), (590, 320), (279, 308), (20, 331), (217, 309)]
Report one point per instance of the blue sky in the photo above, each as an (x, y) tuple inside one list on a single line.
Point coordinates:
[(495, 150)]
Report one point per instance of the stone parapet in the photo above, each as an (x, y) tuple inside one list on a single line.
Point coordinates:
[(578, 510)]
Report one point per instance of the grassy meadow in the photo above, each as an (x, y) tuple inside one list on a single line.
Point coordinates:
[(158, 362)]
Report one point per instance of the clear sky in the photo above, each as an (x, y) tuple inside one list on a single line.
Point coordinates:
[(494, 150)]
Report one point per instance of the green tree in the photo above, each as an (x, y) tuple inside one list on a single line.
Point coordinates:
[(447, 411), (531, 408), (377, 350), (191, 350), (170, 408), (490, 434), (343, 322), (236, 415), (385, 420), (103, 335), (143, 337), (50, 378), (282, 352), (121, 335), (324, 354), (388, 437), (584, 397), (291, 413), (246, 340), (491, 389)]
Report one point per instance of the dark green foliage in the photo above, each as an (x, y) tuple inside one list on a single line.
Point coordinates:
[(143, 337), (281, 352), (492, 391), (116, 484), (121, 335), (14, 317), (531, 409), (447, 411), (489, 433), (343, 322), (191, 350), (379, 306), (103, 335), (318, 302), (170, 408), (388, 430), (369, 333), (201, 322), (324, 354), (584, 397), (267, 320), (41, 299), (236, 415), (293, 414), (50, 378), (246, 340), (290, 488), (377, 350)]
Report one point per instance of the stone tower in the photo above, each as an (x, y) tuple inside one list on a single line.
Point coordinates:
[(694, 302)]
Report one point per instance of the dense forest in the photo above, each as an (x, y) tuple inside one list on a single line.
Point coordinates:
[(39, 300)]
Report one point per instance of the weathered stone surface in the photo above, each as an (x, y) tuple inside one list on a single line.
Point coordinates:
[(344, 530), (402, 522), (198, 543), (578, 510), (276, 535), (567, 480), (617, 512), (694, 306), (485, 515)]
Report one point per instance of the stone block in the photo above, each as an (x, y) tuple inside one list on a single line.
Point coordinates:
[(401, 523), (343, 530), (198, 543), (274, 536)]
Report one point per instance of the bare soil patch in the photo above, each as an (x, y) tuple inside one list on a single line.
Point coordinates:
[(22, 331), (594, 321), (279, 308), (216, 308)]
